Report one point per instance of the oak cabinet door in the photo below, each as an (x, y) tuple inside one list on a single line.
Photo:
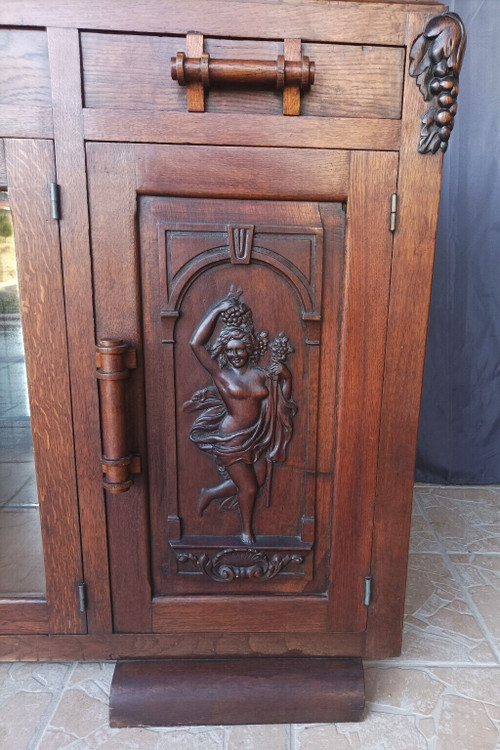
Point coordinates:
[(254, 285)]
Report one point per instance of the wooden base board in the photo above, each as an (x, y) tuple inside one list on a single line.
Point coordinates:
[(236, 691)]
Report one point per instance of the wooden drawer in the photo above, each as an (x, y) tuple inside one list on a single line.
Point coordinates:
[(133, 72)]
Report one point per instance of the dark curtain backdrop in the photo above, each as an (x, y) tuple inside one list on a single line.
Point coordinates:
[(459, 435)]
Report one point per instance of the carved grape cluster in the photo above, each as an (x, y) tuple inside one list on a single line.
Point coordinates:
[(263, 342), (445, 87), (281, 348), (435, 60), (239, 314)]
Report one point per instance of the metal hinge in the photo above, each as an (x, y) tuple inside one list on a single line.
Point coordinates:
[(55, 201), (394, 211), (82, 596), (368, 591)]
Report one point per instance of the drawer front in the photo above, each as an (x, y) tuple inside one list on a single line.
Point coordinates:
[(133, 72)]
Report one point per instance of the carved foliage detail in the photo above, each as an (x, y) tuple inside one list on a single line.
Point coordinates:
[(436, 58), (229, 564)]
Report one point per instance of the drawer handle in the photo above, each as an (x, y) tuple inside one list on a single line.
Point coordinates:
[(291, 73), (114, 359)]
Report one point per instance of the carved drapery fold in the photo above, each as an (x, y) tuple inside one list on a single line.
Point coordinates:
[(436, 58)]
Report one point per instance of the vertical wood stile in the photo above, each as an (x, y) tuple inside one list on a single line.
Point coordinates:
[(419, 184), (64, 60)]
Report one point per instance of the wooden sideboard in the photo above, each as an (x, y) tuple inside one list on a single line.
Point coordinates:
[(224, 219)]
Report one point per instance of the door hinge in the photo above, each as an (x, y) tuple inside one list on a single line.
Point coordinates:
[(367, 597), (82, 596), (394, 212), (55, 201)]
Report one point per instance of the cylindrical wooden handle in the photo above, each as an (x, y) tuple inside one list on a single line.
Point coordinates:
[(113, 360), (259, 73)]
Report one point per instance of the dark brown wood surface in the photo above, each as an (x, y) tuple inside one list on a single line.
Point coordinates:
[(22, 616), (367, 275), (418, 188), (177, 645), (101, 73), (30, 169), (378, 23), (238, 691), (128, 72), (64, 59)]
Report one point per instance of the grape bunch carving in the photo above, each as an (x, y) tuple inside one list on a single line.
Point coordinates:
[(436, 58)]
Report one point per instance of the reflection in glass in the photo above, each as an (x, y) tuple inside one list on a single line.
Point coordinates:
[(21, 559)]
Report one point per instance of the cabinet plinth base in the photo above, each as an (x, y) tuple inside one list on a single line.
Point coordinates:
[(236, 691)]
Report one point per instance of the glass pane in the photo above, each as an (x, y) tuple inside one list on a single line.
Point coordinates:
[(21, 559)]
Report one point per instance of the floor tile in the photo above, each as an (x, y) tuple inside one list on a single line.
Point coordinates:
[(442, 694), (21, 555), (467, 519), (439, 625), (28, 695), (480, 574), (260, 737), (423, 538), (18, 483)]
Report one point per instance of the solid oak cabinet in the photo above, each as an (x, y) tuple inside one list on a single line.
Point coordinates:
[(224, 244)]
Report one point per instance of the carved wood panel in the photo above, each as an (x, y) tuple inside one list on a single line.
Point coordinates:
[(232, 310)]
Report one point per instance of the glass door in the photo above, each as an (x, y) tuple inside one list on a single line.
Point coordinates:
[(22, 570), (40, 548)]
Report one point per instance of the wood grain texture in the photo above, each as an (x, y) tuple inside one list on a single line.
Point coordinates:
[(239, 614), (418, 188), (64, 55), (195, 91), (283, 230), (238, 691), (24, 74), (112, 193), (230, 129), (182, 645), (23, 616), (25, 122), (129, 72), (279, 175), (30, 169), (380, 23), (292, 49), (361, 370)]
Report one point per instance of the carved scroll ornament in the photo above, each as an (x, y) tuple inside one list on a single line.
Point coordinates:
[(246, 419), (230, 564), (436, 58)]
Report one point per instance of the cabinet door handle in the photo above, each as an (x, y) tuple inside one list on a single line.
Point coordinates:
[(114, 359), (290, 72)]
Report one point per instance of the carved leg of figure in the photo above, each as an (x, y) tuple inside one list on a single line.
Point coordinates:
[(206, 496), (261, 471), (243, 475)]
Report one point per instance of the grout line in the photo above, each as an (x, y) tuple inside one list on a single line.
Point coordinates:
[(39, 733), (423, 485), (490, 640), (408, 664)]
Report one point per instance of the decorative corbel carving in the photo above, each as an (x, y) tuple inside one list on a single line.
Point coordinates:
[(436, 58)]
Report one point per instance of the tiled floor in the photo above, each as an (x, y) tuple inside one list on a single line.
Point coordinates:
[(443, 693), (21, 557)]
